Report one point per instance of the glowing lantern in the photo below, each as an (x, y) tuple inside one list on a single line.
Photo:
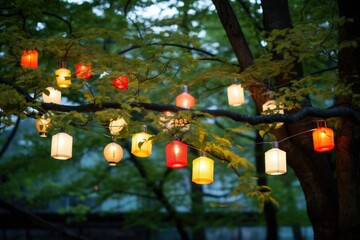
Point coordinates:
[(275, 161), (61, 146), (29, 59), (235, 95), (203, 170), (323, 139), (141, 145), (176, 154), (83, 70), (271, 107), (63, 75), (121, 82), (113, 153), (117, 125), (42, 124), (53, 97), (185, 100)]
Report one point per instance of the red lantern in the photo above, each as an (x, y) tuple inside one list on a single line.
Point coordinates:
[(83, 70), (29, 59), (323, 139), (121, 82), (176, 154), (185, 100)]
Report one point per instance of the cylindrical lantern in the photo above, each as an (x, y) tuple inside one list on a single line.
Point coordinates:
[(275, 161), (29, 59), (113, 153), (185, 100), (235, 95), (53, 97), (141, 145), (83, 70), (323, 139), (42, 124), (176, 154), (117, 125), (121, 82), (203, 170), (270, 107), (61, 146)]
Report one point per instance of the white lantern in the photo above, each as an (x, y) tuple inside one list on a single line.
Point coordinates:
[(117, 125), (235, 95), (275, 161), (61, 146), (113, 153), (53, 97), (270, 107)]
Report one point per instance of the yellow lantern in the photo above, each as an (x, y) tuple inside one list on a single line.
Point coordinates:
[(61, 146), (275, 161), (271, 107), (113, 153), (63, 75), (53, 97), (42, 124), (117, 125), (235, 95), (203, 170), (141, 145)]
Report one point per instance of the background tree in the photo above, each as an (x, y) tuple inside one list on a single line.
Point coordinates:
[(294, 53)]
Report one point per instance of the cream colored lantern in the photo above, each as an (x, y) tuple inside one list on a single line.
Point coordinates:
[(235, 95), (117, 125), (113, 153), (61, 146), (53, 97), (275, 161)]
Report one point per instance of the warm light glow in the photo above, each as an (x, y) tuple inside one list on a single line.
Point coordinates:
[(29, 59), (63, 77), (113, 153), (323, 139), (61, 146), (235, 95), (53, 97), (270, 107), (203, 170), (42, 124), (141, 145), (83, 70), (176, 154), (185, 100), (117, 125), (121, 82), (275, 162)]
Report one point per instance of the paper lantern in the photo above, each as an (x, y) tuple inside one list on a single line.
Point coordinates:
[(203, 170), (235, 95), (117, 125), (61, 146), (323, 139), (176, 154), (141, 145), (185, 100), (121, 82), (42, 124), (275, 161), (63, 75), (270, 107), (113, 153), (53, 97), (83, 70), (29, 59)]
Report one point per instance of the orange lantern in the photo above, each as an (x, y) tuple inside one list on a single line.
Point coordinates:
[(63, 75), (141, 146), (203, 170), (185, 100), (83, 70), (121, 82), (323, 138), (176, 154), (29, 59), (113, 153)]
